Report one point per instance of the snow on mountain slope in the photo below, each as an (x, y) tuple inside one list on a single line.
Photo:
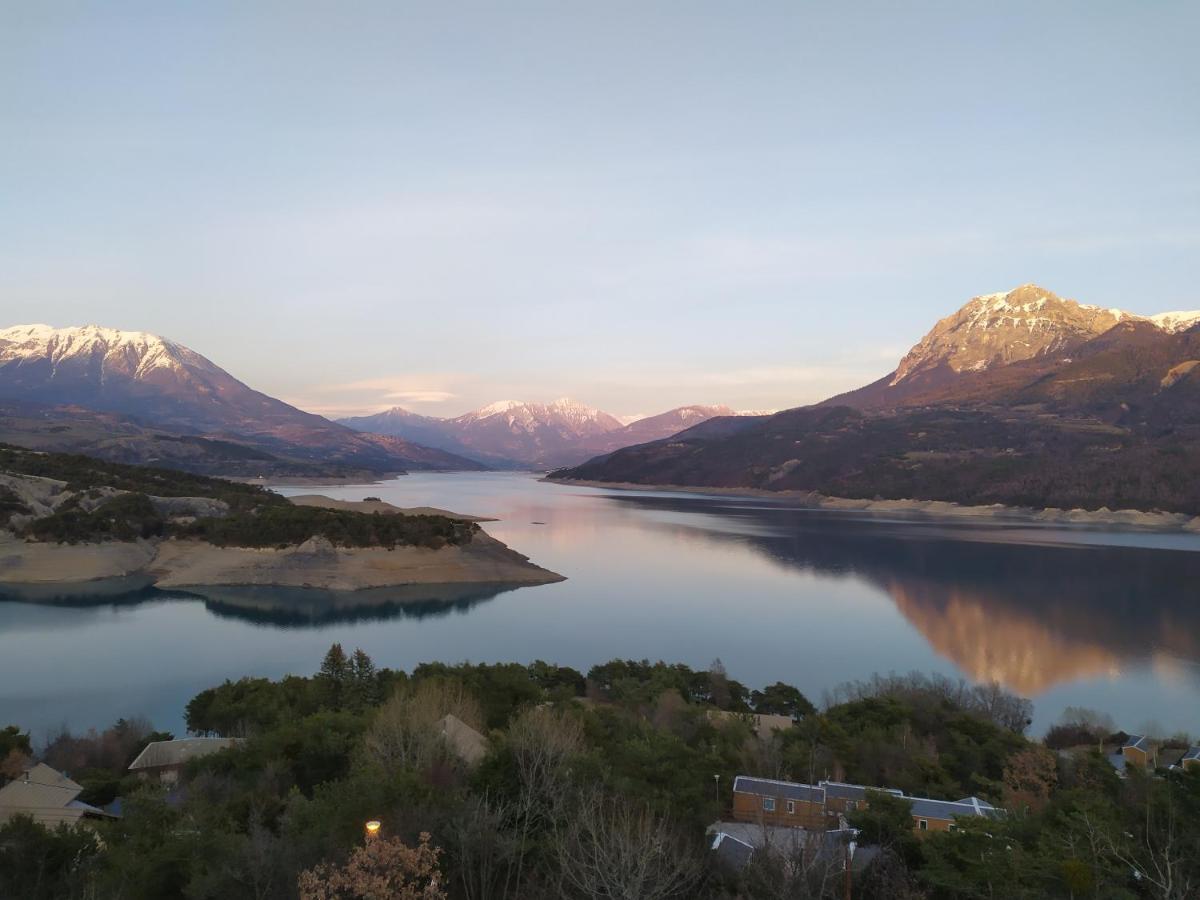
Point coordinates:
[(164, 384), (533, 434), (1026, 322)]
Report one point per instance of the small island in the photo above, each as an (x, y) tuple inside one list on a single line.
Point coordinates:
[(70, 519)]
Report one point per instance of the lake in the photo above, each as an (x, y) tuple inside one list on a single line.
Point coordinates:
[(1065, 616)]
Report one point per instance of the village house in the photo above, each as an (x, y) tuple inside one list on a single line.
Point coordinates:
[(1139, 752), (1191, 760), (762, 724), (824, 805), (164, 760), (49, 797), (464, 741)]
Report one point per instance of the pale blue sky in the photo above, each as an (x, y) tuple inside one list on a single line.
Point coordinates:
[(639, 204)]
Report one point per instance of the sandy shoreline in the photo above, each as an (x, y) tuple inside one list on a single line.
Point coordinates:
[(316, 563), (1132, 519)]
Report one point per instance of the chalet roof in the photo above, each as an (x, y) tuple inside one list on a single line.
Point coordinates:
[(732, 851), (1137, 742), (45, 794), (924, 808), (788, 790), (468, 744), (160, 754), (842, 791)]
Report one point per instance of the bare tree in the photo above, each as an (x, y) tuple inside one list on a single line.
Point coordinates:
[(805, 865), (611, 849), (405, 732), (543, 743), (487, 853)]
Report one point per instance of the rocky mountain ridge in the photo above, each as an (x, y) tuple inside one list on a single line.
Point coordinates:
[(1019, 398), (163, 386), (530, 434)]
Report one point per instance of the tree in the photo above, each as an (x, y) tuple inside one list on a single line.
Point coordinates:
[(886, 821), (15, 752), (1029, 779), (719, 685), (335, 675), (613, 848), (781, 700), (405, 735), (806, 867), (362, 681), (382, 869), (37, 863)]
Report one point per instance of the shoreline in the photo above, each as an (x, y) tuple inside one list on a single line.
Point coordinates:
[(1129, 519)]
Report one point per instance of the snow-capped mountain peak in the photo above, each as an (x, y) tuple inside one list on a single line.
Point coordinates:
[(1007, 327), (134, 354)]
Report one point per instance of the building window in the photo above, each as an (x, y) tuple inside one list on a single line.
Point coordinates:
[(851, 805), (791, 807), (952, 827), (922, 824), (769, 804)]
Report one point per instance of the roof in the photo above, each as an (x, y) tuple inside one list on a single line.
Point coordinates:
[(789, 790), (924, 808), (731, 851), (842, 791), (468, 744), (160, 754), (1137, 742), (1193, 753), (45, 794)]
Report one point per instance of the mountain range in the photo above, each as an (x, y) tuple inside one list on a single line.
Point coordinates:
[(1022, 398), (512, 434), (130, 396)]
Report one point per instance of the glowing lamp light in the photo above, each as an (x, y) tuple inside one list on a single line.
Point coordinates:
[(373, 828)]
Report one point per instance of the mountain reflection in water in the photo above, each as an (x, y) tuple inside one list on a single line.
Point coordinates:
[(1066, 616), (999, 605), (281, 607)]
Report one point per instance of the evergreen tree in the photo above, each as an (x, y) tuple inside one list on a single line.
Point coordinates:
[(335, 675), (364, 684)]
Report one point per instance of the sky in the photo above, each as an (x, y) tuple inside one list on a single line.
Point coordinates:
[(637, 204)]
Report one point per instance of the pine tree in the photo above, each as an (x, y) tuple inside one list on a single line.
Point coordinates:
[(335, 675), (364, 686)]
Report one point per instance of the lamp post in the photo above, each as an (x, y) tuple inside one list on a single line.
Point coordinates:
[(372, 829), (717, 788)]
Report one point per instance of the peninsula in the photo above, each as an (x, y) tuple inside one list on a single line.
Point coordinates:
[(68, 519)]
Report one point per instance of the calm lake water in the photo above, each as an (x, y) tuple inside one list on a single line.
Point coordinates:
[(1068, 617)]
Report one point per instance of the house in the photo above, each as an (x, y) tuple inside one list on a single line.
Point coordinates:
[(1138, 751), (846, 798), (786, 803), (1191, 760), (762, 724), (464, 741), (822, 806), (164, 760), (1182, 760), (49, 797)]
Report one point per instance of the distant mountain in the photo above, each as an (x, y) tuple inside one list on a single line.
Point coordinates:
[(512, 433), (1018, 398), (156, 383)]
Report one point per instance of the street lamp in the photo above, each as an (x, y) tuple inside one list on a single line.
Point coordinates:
[(717, 787), (372, 828)]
